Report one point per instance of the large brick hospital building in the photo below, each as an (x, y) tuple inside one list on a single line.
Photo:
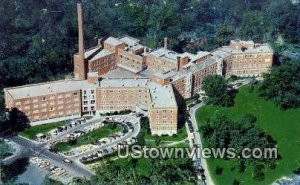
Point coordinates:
[(121, 73)]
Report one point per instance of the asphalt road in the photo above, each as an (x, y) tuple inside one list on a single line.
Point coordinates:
[(136, 130), (35, 149), (201, 161), (32, 148)]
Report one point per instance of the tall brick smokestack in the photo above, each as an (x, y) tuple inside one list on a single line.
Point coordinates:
[(79, 63), (166, 43)]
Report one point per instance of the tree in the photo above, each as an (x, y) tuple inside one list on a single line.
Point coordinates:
[(16, 122), (215, 87), (224, 34), (282, 85), (253, 25), (227, 133), (258, 173)]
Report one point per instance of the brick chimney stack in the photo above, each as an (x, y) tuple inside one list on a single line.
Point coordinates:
[(79, 63), (166, 43)]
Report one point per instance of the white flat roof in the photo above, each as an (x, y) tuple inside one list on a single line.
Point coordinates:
[(121, 73), (259, 48), (165, 53), (91, 51), (113, 41), (129, 40), (161, 96), (42, 89)]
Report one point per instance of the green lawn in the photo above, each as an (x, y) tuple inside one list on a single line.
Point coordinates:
[(182, 134), (31, 132), (283, 126), (190, 100), (143, 165), (89, 138)]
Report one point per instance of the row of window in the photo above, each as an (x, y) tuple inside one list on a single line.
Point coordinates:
[(52, 108), (103, 101), (164, 128), (43, 99), (250, 55), (87, 102), (115, 107), (87, 108), (52, 115), (165, 117), (249, 66), (123, 91), (164, 111)]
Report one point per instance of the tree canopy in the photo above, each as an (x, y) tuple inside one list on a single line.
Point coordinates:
[(223, 132), (215, 87), (282, 84)]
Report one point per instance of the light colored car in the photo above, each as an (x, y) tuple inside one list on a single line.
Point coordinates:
[(67, 161)]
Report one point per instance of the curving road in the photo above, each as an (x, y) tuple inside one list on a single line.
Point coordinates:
[(30, 148), (128, 135), (202, 161)]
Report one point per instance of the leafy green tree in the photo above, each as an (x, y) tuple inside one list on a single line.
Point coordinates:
[(253, 26), (224, 34), (223, 132), (215, 87), (282, 85)]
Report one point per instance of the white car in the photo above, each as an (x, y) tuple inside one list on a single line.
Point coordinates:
[(67, 161)]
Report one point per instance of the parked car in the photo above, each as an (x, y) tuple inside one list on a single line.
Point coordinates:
[(67, 161)]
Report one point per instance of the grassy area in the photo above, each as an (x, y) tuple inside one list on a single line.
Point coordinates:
[(182, 134), (191, 100), (31, 132), (283, 126), (89, 138)]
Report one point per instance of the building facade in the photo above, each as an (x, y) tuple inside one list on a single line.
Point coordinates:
[(156, 80)]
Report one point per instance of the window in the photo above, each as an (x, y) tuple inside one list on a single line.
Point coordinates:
[(43, 98), (93, 101), (75, 93), (92, 91)]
